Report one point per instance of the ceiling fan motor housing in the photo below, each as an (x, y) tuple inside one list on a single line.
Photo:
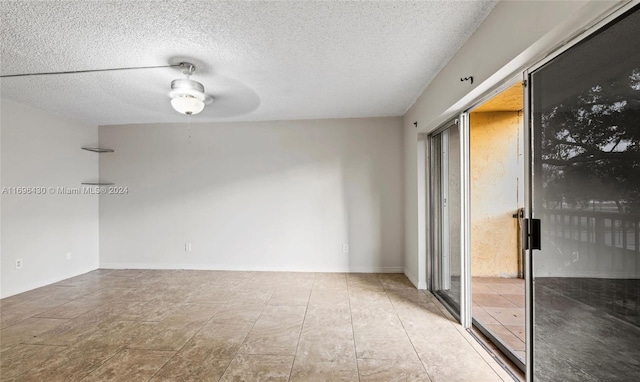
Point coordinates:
[(187, 87)]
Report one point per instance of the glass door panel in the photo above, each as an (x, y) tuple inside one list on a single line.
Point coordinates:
[(496, 173), (586, 191), (445, 206)]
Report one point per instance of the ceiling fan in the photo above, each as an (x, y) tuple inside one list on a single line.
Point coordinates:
[(187, 96)]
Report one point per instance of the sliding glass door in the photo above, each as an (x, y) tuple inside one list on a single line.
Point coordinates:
[(445, 214), (585, 110)]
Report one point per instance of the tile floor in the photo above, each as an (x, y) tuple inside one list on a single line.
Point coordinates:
[(498, 304), (146, 325)]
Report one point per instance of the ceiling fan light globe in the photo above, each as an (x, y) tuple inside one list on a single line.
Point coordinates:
[(187, 104)]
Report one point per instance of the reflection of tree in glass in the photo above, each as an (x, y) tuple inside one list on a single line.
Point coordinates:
[(591, 147)]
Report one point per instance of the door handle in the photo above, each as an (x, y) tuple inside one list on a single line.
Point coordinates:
[(532, 234)]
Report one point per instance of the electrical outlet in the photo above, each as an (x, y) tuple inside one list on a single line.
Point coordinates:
[(18, 263), (187, 247), (345, 248)]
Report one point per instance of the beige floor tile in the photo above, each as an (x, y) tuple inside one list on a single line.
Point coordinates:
[(59, 292), (385, 315), (408, 297), (395, 281), (67, 310), (365, 298), (206, 356), (71, 364), (220, 338), (422, 319), (259, 368), (182, 367), (213, 294), (25, 331), (178, 325), (330, 281), (194, 312), (378, 328), (324, 297), (326, 349), (26, 309), (328, 315), (293, 296), (310, 370), (121, 294), (272, 340), (154, 310), (383, 345), (175, 330), (364, 281), (252, 296), (283, 315), (276, 332), (384, 370), (74, 330), (166, 335), (454, 359), (118, 333), (130, 365), (18, 359), (236, 313), (316, 330)]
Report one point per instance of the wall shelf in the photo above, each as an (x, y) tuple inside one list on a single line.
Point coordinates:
[(98, 149)]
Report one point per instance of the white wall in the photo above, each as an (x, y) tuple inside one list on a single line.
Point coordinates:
[(514, 36), (42, 150), (255, 195)]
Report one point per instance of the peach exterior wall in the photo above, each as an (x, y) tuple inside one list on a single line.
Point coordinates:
[(494, 193)]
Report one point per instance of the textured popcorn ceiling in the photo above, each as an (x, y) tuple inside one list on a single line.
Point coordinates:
[(260, 60)]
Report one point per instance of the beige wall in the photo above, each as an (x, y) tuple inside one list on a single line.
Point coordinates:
[(55, 234), (494, 171), (282, 195)]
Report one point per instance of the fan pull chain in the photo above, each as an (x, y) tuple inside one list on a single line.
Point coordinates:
[(188, 129)]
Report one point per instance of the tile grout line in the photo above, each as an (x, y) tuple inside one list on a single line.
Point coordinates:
[(493, 357), (306, 309), (182, 347), (99, 366), (355, 349), (462, 332), (465, 335), (65, 347), (407, 334), (245, 337)]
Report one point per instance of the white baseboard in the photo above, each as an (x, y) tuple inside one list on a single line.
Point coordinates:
[(414, 280), (210, 267), (42, 283)]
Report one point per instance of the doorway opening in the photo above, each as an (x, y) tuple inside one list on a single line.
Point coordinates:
[(496, 170)]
